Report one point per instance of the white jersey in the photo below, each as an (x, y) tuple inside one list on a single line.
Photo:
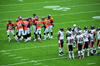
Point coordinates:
[(93, 31), (80, 31), (85, 37), (86, 32), (70, 32), (91, 37), (79, 38), (98, 35), (70, 40), (61, 35), (74, 31)]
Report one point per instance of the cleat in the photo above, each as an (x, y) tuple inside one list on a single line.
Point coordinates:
[(69, 58), (82, 56), (91, 54), (34, 39), (9, 40), (79, 57), (39, 40), (62, 53), (51, 37), (98, 53), (73, 58)]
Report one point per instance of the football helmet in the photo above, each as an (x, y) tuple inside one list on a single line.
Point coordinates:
[(61, 29), (69, 28), (43, 18), (98, 28), (85, 28), (92, 27), (49, 16)]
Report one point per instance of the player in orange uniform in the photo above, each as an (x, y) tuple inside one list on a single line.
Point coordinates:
[(38, 26), (20, 28), (34, 25), (45, 25), (10, 26), (29, 28), (50, 25), (26, 25), (16, 27)]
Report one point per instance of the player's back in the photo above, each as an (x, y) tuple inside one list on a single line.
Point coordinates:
[(38, 24), (19, 24), (70, 40), (85, 37), (91, 37), (26, 25), (79, 38)]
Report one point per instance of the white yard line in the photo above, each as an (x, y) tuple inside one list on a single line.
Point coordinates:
[(59, 15), (29, 48), (5, 53), (11, 55), (91, 63), (24, 59), (35, 3), (38, 64), (45, 9), (17, 57), (35, 61)]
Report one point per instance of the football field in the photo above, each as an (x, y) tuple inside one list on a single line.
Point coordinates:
[(65, 13)]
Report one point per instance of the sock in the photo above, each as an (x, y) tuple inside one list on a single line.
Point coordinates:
[(44, 36), (73, 54), (87, 51), (83, 51), (92, 50), (51, 33), (9, 38), (59, 50), (78, 53), (69, 54)]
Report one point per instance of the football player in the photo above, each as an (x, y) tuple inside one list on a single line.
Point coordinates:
[(70, 40), (79, 30), (38, 26), (91, 39), (10, 26), (61, 41), (69, 30), (26, 24), (29, 28), (20, 28), (86, 30), (79, 39), (74, 30), (98, 39), (50, 25), (93, 31), (34, 25), (45, 28), (85, 44)]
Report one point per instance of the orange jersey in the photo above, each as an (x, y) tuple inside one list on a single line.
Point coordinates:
[(19, 25), (30, 22), (25, 25), (45, 23), (49, 21), (10, 26), (38, 24), (16, 24)]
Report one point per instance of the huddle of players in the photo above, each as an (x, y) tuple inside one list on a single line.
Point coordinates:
[(83, 40), (24, 28)]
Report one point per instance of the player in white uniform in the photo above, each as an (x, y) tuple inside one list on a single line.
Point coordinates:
[(70, 40), (86, 43), (79, 39), (93, 31), (79, 30), (34, 25), (86, 30), (61, 41), (98, 39), (74, 33), (69, 31), (91, 39)]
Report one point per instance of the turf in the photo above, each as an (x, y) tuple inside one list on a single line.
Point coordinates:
[(46, 53)]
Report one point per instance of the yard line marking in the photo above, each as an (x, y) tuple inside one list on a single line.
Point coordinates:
[(35, 3), (90, 63), (20, 0), (36, 61), (20, 10), (24, 59), (45, 9), (38, 64), (17, 57), (62, 14), (11, 55), (5, 53), (29, 47)]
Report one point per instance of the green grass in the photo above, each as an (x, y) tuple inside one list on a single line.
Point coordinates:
[(46, 52)]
